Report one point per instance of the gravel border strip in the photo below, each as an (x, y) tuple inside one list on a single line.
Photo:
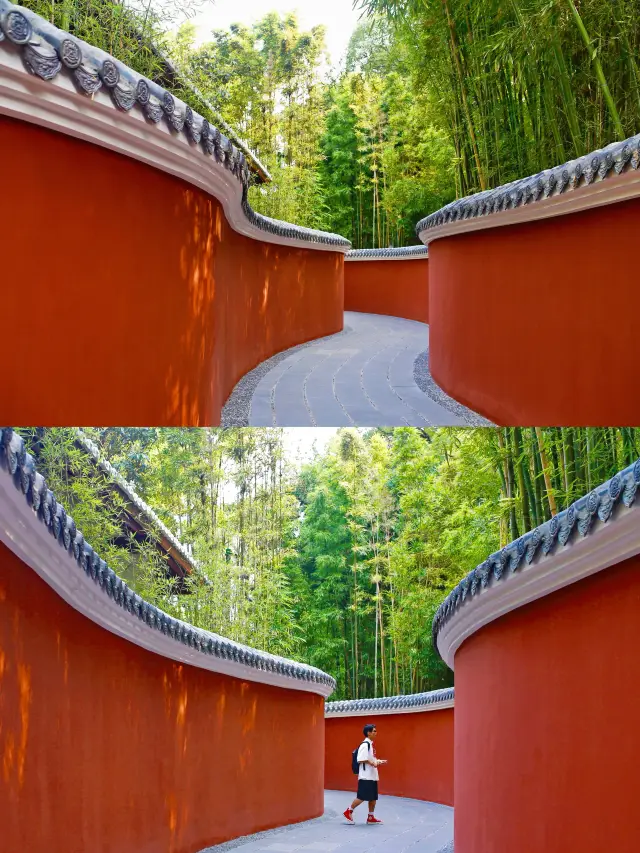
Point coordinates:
[(267, 833), (235, 412), (425, 382)]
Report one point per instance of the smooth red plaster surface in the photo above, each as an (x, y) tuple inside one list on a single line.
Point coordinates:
[(418, 746), (107, 747), (533, 324), (547, 751), (397, 288), (131, 299)]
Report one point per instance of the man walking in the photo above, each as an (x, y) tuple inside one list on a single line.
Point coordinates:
[(367, 776)]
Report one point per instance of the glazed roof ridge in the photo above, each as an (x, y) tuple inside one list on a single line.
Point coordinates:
[(285, 229), (47, 50), (558, 531), (20, 466), (107, 468), (412, 700), (616, 157), (389, 252)]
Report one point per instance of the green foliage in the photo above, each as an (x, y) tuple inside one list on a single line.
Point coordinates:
[(225, 493), (386, 161), (96, 508), (360, 155), (265, 80), (390, 524), (521, 85)]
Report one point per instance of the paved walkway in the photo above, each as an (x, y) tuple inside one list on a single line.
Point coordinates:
[(362, 378), (410, 826)]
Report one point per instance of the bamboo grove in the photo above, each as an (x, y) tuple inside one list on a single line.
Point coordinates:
[(524, 84), (341, 560)]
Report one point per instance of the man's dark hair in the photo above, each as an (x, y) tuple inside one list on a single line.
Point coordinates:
[(368, 729)]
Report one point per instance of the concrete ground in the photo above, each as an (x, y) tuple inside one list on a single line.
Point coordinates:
[(410, 826), (363, 378)]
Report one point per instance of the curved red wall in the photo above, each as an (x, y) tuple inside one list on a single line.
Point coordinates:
[(532, 324), (128, 297), (547, 751), (398, 288), (107, 747), (401, 737)]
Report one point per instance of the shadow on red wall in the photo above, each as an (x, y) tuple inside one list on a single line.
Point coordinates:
[(418, 746), (133, 301), (396, 288), (105, 746)]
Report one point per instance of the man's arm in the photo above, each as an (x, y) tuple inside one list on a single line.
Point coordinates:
[(365, 756)]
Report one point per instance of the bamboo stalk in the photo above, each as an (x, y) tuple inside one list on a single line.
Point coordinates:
[(463, 93), (593, 55), (545, 472)]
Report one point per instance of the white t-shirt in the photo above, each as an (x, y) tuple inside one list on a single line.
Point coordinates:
[(364, 753)]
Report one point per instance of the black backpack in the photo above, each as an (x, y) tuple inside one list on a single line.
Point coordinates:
[(355, 767)]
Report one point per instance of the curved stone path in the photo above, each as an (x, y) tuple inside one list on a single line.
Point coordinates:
[(410, 826), (364, 377)]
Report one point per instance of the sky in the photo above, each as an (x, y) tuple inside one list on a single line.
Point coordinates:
[(299, 442), (337, 16)]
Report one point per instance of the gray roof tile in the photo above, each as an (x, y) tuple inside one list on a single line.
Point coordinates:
[(415, 701), (597, 166), (389, 254)]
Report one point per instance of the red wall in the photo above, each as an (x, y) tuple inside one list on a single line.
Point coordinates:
[(131, 299), (401, 737), (531, 324), (547, 751), (399, 288), (107, 747)]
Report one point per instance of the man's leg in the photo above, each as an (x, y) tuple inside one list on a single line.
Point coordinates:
[(372, 807), (348, 813)]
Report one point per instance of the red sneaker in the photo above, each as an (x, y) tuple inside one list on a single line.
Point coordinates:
[(348, 814), (373, 819)]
